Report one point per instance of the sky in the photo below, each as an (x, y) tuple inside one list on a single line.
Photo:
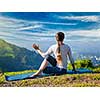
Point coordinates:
[(82, 29)]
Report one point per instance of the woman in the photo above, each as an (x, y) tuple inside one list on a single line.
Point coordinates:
[(61, 52)]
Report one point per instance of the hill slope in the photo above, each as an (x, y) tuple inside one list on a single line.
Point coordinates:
[(14, 58)]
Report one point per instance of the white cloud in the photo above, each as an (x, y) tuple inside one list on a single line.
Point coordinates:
[(87, 33), (16, 29), (7, 23), (53, 23), (30, 27), (82, 18), (83, 35)]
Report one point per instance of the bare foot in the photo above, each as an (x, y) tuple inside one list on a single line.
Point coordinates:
[(34, 75)]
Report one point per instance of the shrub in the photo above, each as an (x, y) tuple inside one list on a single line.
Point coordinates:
[(85, 63)]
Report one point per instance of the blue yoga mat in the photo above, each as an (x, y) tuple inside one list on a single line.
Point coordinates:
[(18, 77), (27, 75), (79, 71)]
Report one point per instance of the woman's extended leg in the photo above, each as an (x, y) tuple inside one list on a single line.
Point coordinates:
[(42, 67)]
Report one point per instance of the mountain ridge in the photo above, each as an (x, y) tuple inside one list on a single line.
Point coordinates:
[(15, 58)]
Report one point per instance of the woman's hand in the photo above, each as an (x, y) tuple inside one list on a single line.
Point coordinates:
[(74, 70), (36, 47)]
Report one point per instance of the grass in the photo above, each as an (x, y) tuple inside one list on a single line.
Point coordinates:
[(74, 80), (20, 72), (2, 78)]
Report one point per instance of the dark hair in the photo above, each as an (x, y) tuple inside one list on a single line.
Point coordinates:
[(60, 36)]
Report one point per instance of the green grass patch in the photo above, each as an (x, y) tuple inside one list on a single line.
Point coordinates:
[(2, 78), (19, 72)]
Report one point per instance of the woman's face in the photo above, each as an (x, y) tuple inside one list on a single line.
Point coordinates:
[(57, 38)]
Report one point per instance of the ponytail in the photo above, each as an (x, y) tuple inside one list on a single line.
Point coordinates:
[(59, 57)]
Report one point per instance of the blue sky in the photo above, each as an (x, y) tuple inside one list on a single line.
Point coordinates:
[(82, 29)]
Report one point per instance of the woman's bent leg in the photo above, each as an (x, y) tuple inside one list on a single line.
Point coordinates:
[(42, 67)]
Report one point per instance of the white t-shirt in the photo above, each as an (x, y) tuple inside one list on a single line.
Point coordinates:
[(65, 53)]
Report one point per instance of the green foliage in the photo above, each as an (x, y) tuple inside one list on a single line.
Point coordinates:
[(95, 69), (85, 63), (5, 48), (9, 55)]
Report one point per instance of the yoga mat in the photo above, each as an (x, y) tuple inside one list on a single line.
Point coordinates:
[(27, 75), (79, 71), (23, 76)]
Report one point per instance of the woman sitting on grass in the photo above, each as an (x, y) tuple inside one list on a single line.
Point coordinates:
[(61, 51)]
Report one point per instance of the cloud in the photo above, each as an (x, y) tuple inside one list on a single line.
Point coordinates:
[(21, 25), (82, 18), (12, 26), (53, 23), (16, 30), (83, 35), (30, 27), (87, 33)]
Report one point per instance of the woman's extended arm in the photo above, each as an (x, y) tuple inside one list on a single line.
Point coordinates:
[(36, 47), (49, 51)]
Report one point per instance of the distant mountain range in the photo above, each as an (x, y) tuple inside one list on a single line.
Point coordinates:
[(14, 58)]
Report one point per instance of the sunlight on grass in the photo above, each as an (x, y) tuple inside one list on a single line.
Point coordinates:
[(19, 72), (2, 78)]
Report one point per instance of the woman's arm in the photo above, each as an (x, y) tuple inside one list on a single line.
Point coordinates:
[(49, 51), (71, 59), (36, 47)]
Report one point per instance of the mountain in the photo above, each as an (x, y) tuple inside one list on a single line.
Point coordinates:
[(14, 58)]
